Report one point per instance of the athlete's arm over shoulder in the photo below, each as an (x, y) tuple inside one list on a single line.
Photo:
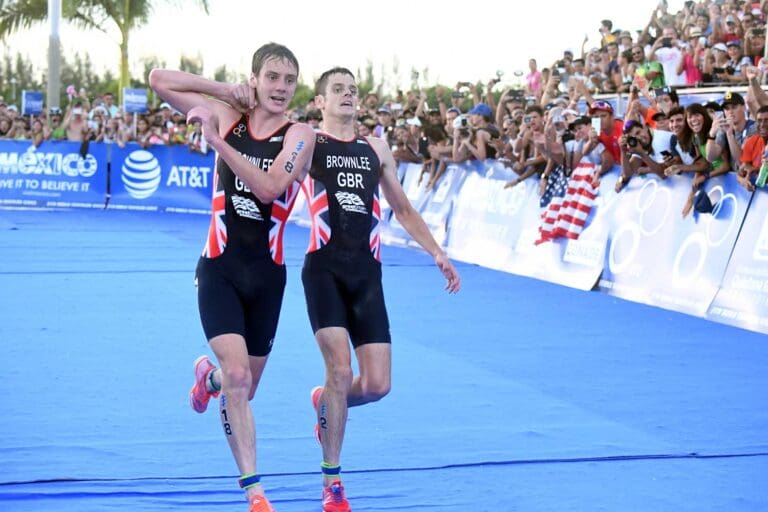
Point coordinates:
[(184, 91), (407, 215), (290, 164)]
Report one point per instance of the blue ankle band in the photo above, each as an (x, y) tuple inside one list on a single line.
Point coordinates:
[(247, 481), (329, 469)]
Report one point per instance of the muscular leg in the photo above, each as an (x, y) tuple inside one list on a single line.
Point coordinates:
[(240, 375), (332, 407), (374, 381)]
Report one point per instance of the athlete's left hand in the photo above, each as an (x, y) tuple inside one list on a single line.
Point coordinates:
[(208, 120), (446, 267)]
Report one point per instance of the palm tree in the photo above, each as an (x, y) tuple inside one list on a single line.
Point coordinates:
[(102, 15)]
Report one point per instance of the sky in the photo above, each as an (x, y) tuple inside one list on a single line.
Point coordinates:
[(455, 42)]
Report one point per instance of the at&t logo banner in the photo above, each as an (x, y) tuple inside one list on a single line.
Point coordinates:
[(164, 178)]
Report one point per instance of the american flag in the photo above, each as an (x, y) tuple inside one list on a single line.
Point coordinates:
[(281, 210), (374, 239), (567, 211), (217, 231), (317, 202)]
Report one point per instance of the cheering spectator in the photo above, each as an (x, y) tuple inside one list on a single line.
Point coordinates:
[(196, 140), (643, 152), (533, 82), (37, 134), (530, 160), (668, 50), (648, 73), (478, 146), (691, 146), (729, 131), (54, 129), (692, 57), (610, 127), (753, 155)]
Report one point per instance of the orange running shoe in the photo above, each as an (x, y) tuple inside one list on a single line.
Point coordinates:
[(315, 396), (199, 394), (334, 499), (260, 503)]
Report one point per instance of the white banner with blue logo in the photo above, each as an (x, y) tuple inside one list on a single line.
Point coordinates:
[(440, 202), (164, 178), (487, 220), (743, 296), (657, 257), (415, 187), (53, 175)]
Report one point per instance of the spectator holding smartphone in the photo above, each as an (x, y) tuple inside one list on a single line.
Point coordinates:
[(668, 51), (728, 132)]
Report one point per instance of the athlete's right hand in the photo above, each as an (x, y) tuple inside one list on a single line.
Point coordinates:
[(243, 97), (208, 120)]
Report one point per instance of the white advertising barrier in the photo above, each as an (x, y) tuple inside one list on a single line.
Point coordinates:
[(487, 220), (392, 233), (576, 263), (657, 257), (437, 211), (743, 297)]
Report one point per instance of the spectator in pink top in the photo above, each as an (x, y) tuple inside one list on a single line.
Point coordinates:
[(533, 79)]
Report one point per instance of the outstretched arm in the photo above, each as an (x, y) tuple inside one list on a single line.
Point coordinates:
[(409, 218), (291, 163)]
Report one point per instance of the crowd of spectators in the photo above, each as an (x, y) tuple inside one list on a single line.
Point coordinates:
[(553, 120), (101, 121)]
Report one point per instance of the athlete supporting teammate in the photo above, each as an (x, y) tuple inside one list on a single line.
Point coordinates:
[(241, 275)]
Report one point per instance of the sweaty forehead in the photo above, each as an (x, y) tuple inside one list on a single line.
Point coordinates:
[(278, 65)]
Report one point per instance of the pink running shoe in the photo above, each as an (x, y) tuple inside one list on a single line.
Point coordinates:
[(334, 499), (260, 504), (199, 394), (315, 395)]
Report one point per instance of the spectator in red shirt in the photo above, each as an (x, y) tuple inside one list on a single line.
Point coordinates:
[(753, 153), (610, 128)]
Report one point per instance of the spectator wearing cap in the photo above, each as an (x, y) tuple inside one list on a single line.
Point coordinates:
[(478, 144), (668, 50), (754, 152), (585, 152), (625, 41), (737, 63), (661, 100), (386, 122), (728, 133), (660, 120), (715, 60), (610, 128), (729, 30), (692, 57), (54, 128)]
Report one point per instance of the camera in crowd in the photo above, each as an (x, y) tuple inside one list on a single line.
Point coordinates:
[(632, 141), (461, 123)]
